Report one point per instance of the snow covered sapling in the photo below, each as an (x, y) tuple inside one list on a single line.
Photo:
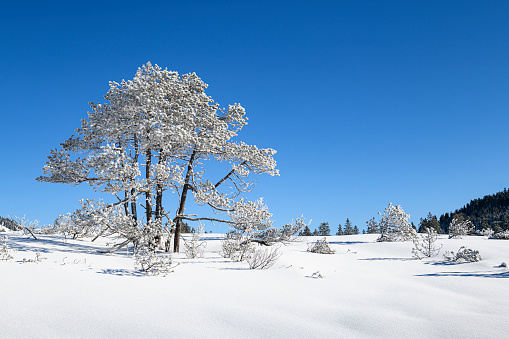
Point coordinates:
[(5, 250), (394, 225), (320, 246), (194, 248), (27, 226), (426, 248), (463, 255), (459, 227)]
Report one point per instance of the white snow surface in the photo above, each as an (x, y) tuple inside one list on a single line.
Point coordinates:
[(368, 290)]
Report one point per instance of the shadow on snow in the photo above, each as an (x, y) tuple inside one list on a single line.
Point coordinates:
[(504, 274)]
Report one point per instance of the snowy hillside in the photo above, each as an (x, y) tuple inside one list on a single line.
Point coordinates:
[(368, 289)]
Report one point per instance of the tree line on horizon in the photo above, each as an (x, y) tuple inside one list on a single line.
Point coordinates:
[(324, 230)]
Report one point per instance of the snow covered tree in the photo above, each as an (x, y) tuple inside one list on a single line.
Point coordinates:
[(323, 229), (355, 230), (372, 226), (306, 232), (394, 225), (348, 227), (430, 221), (340, 230), (160, 132), (426, 246), (459, 227)]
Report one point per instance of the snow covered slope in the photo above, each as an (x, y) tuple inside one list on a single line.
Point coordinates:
[(368, 290)]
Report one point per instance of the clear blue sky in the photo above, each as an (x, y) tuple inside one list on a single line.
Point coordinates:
[(366, 102)]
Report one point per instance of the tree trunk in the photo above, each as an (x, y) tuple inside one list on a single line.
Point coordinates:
[(182, 205), (148, 196), (159, 202), (126, 204), (133, 191)]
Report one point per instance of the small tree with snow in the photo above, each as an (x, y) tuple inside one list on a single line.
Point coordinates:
[(459, 227), (394, 225), (195, 247), (426, 248), (5, 251)]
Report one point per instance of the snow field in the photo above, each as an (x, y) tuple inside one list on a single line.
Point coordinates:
[(368, 290)]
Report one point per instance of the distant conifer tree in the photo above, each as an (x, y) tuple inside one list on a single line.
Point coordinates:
[(306, 232), (340, 230), (324, 229), (348, 227)]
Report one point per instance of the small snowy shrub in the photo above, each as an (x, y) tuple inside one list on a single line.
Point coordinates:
[(244, 251), (152, 264), (263, 258), (228, 245), (5, 251), (463, 255), (194, 248), (320, 246), (426, 248), (457, 228), (487, 232), (501, 235), (236, 247), (38, 258)]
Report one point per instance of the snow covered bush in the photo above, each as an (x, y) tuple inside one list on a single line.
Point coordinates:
[(151, 263), (5, 251), (394, 225), (458, 227), (263, 258), (194, 248), (426, 248), (229, 245), (463, 255), (236, 246), (501, 235), (320, 246), (486, 232)]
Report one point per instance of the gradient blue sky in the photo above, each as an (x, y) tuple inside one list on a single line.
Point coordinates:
[(366, 102)]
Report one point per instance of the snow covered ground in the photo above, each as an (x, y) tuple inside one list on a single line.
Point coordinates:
[(368, 290)]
